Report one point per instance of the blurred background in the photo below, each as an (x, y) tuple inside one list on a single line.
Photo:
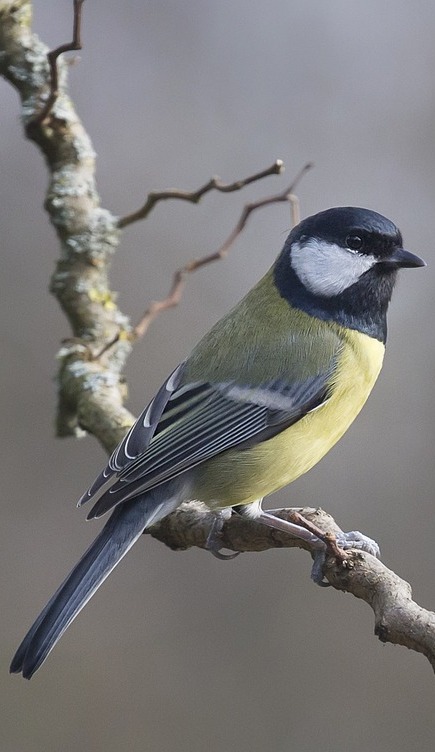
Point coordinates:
[(179, 650)]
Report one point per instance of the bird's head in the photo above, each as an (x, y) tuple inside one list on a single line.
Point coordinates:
[(341, 264)]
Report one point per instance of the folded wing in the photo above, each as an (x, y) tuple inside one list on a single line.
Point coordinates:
[(186, 425)]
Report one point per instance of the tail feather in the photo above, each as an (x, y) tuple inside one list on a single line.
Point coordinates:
[(121, 531)]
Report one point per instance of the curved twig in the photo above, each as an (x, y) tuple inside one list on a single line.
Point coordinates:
[(179, 279), (194, 197), (52, 57)]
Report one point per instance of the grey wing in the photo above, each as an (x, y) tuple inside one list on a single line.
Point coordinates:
[(197, 422), (138, 437)]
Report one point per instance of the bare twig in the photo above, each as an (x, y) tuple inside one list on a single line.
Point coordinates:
[(179, 278), (52, 56), (194, 197)]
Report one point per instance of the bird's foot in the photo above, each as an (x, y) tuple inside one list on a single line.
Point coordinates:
[(213, 542), (342, 543), (324, 544), (355, 539)]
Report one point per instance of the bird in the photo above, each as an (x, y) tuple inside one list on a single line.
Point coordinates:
[(261, 399)]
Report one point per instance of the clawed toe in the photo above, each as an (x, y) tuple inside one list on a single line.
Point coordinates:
[(355, 539), (214, 543), (344, 541)]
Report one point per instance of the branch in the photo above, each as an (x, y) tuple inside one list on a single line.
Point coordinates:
[(398, 619), (179, 278), (91, 395), (194, 197), (175, 294), (91, 386), (52, 57)]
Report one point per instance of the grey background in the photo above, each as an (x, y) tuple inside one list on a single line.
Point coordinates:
[(178, 650)]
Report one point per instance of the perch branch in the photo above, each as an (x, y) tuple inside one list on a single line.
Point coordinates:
[(398, 618), (194, 197)]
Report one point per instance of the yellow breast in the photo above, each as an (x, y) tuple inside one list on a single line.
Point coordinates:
[(240, 477)]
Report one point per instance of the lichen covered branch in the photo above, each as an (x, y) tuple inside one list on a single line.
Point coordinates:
[(91, 394), (92, 360)]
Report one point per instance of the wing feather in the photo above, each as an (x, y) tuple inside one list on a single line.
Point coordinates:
[(137, 439), (196, 422)]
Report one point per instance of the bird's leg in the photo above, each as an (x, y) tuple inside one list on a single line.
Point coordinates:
[(297, 525), (335, 545), (323, 543), (335, 542), (213, 542), (329, 539)]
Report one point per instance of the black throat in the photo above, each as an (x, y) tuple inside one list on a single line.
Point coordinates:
[(362, 307)]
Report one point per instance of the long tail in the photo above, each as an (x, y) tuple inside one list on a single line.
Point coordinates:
[(121, 531)]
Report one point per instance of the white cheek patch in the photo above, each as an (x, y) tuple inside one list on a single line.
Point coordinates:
[(327, 269)]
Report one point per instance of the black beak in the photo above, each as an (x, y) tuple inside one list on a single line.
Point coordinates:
[(403, 259)]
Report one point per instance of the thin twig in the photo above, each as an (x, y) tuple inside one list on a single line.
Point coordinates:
[(179, 278), (194, 197), (52, 56)]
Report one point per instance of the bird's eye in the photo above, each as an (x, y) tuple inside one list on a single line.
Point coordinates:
[(354, 242)]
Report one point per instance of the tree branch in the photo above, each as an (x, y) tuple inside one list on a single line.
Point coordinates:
[(91, 395), (175, 294), (52, 57), (398, 618), (92, 388), (179, 278), (194, 197)]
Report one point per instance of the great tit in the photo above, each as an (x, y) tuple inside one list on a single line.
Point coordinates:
[(261, 399)]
